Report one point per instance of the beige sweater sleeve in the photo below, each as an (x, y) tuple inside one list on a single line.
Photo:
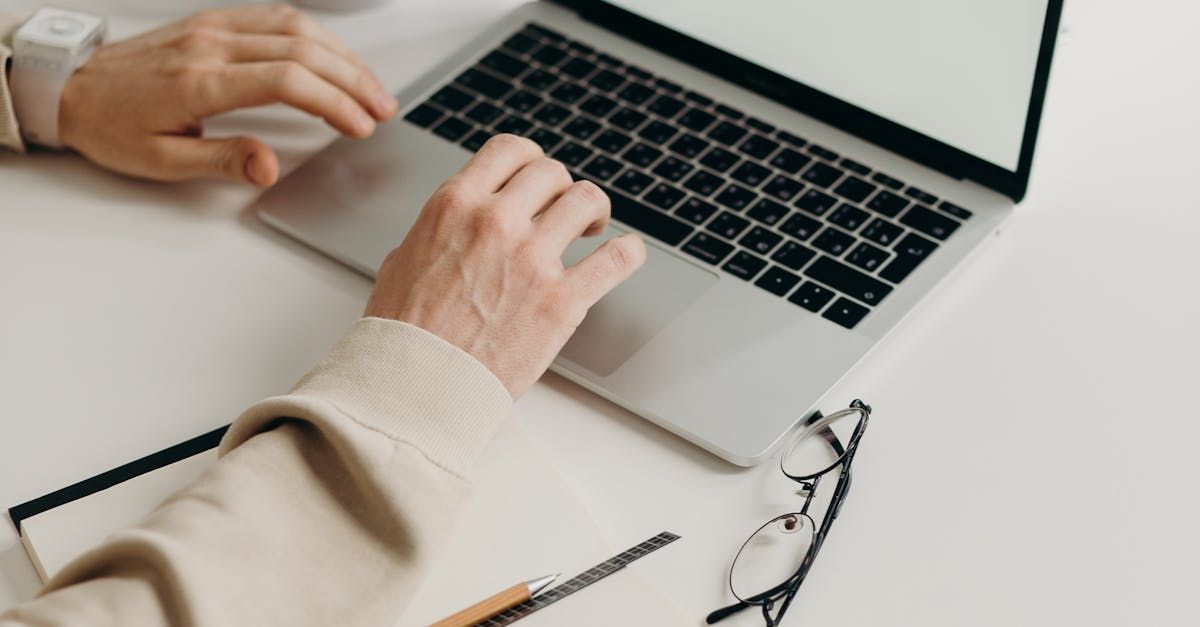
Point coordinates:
[(325, 508), (10, 135)]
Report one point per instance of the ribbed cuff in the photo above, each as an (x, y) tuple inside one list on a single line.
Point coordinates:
[(403, 383)]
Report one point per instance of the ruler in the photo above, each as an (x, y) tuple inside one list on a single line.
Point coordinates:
[(581, 581)]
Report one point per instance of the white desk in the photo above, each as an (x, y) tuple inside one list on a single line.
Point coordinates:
[(1030, 459)]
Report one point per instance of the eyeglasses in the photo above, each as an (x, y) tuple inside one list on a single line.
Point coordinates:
[(772, 563)]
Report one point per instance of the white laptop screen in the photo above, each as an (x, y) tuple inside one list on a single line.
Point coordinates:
[(959, 71)]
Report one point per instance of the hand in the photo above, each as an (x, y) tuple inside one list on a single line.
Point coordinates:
[(482, 267), (137, 106)]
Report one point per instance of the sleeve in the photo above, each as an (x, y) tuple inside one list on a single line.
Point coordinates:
[(325, 508), (10, 134)]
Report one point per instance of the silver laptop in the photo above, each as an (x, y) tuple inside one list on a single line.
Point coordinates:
[(804, 173)]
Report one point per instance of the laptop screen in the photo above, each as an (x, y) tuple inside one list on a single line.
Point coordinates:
[(959, 71)]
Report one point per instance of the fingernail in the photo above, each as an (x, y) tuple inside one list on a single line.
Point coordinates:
[(252, 171), (364, 123), (386, 104)]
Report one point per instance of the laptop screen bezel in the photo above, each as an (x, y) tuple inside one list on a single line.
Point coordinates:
[(898, 138)]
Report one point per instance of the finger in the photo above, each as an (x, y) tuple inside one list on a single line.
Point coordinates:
[(177, 158), (610, 264), (581, 210), (351, 78), (531, 190), (277, 19), (229, 87), (497, 161)]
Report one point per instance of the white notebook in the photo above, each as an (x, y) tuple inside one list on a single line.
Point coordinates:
[(507, 534)]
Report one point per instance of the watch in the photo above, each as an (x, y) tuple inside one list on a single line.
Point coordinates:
[(47, 49)]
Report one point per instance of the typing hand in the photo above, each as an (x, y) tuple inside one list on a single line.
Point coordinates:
[(482, 267), (137, 106)]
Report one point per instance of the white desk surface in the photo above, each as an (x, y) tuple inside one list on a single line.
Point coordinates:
[(1030, 461)]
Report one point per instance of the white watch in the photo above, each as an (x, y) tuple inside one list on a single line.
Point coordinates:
[(47, 49)]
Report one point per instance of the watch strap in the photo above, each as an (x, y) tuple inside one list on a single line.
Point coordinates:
[(10, 133), (36, 95)]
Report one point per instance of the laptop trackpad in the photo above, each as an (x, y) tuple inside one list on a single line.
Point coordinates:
[(617, 326)]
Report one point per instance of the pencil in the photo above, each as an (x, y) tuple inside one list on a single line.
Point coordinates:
[(497, 603)]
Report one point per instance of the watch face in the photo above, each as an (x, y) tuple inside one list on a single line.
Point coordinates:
[(59, 28)]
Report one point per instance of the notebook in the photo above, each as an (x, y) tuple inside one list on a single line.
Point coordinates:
[(522, 522)]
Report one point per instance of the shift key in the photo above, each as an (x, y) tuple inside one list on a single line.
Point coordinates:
[(646, 219), (847, 280)]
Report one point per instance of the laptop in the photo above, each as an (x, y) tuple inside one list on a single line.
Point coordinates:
[(804, 174)]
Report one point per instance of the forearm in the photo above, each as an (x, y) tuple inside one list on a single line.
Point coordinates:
[(10, 135), (325, 508)]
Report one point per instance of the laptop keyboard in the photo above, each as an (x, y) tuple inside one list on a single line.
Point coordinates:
[(827, 233)]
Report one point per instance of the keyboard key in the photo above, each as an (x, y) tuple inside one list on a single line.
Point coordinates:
[(735, 197), (581, 127), (811, 296), (910, 252), (833, 241), (867, 257), (783, 188), (606, 80), (777, 281), (642, 155), (729, 112), (689, 145), (611, 141), (882, 232), (750, 173), (954, 210), (758, 146), (929, 222), (695, 210), (545, 138), (601, 168), (855, 166), (744, 265), (638, 73), (728, 225), (673, 169), (793, 255), (524, 101), (727, 133), (504, 64), (719, 159), (664, 196), (657, 132), (423, 115), (578, 68), (452, 129), (598, 105), (789, 138), (627, 119), (761, 240), (573, 154), (520, 43), (667, 85), (696, 119), (847, 280), (848, 217), (815, 202), (920, 195), (854, 188), (666, 106), (800, 226), (633, 182), (887, 203), (759, 125), (484, 113), (887, 181), (704, 183), (513, 124), (549, 55), (699, 99), (821, 174), (822, 152), (708, 248), (483, 83), (846, 313), (569, 93), (790, 161), (580, 47), (552, 114), (609, 61), (635, 93), (475, 140), (648, 220), (539, 79), (767, 211), (452, 99)]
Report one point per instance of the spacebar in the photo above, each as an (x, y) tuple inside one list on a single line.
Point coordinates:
[(647, 220)]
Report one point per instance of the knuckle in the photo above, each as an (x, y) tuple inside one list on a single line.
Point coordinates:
[(492, 224), (301, 50), (452, 196), (621, 255), (591, 194), (287, 74), (508, 141), (199, 38)]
